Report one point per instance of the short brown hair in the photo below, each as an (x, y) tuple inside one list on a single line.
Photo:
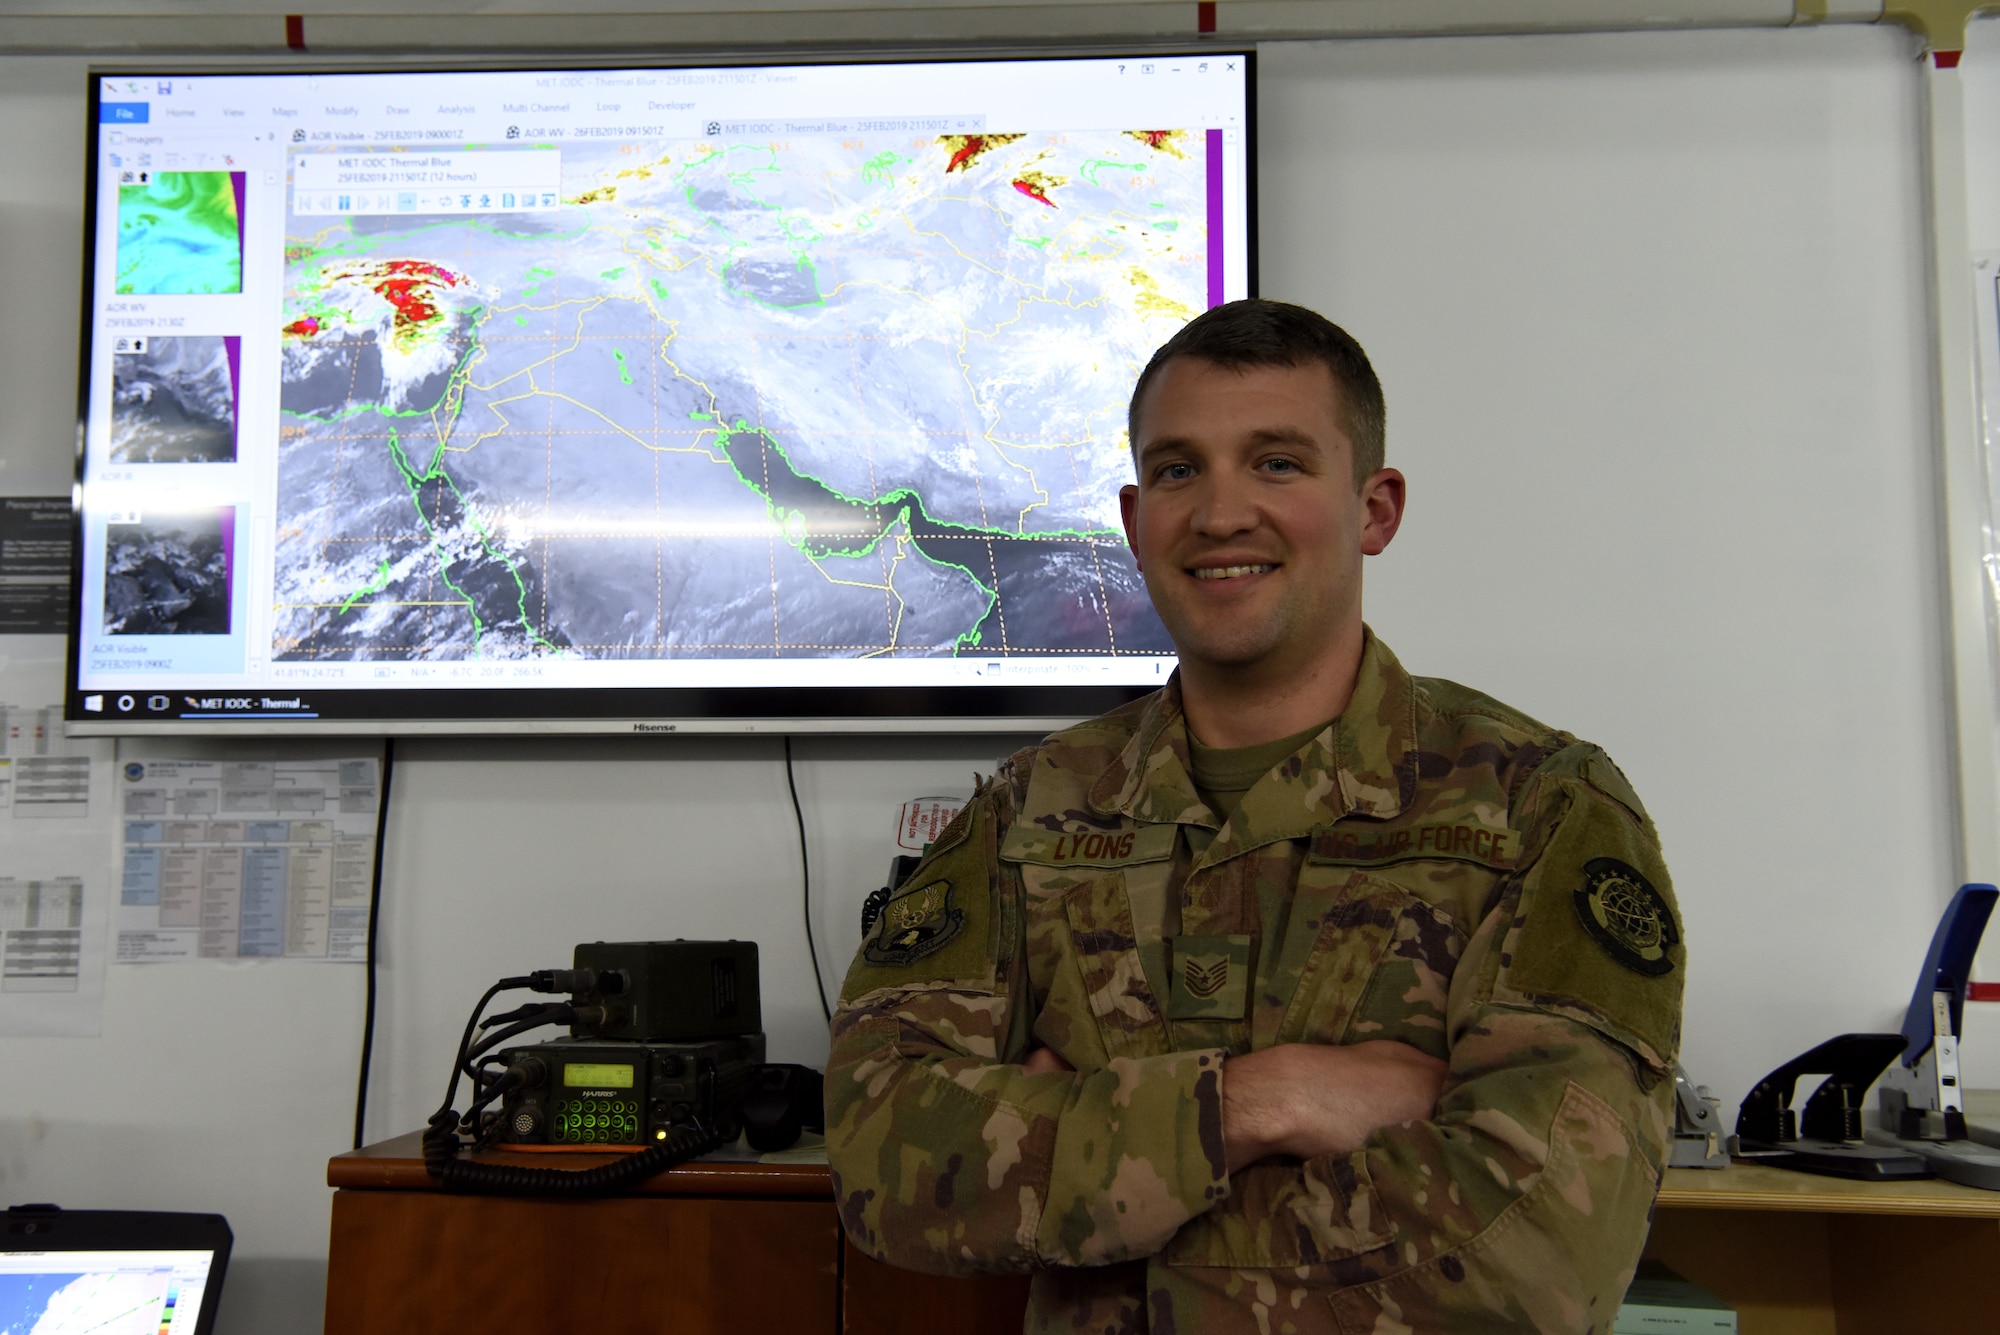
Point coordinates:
[(1256, 332)]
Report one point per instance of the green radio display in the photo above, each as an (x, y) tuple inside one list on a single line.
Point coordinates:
[(597, 1075)]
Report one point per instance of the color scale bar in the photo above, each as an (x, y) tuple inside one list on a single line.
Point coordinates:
[(1215, 293)]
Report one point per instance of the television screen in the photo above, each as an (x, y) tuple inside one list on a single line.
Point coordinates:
[(636, 399)]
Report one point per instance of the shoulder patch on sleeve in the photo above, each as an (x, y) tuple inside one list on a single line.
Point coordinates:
[(1603, 774), (936, 926), (914, 924), (1596, 935), (1623, 913)]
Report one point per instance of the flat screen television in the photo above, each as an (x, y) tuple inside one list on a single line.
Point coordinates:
[(637, 399)]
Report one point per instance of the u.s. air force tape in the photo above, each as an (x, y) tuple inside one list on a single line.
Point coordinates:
[(1454, 841), (1624, 914)]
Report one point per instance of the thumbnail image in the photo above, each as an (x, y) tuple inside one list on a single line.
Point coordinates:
[(180, 232), (173, 399), (168, 574)]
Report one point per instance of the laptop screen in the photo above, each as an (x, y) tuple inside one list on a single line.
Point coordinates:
[(126, 1292)]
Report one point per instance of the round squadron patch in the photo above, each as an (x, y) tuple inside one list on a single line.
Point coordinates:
[(914, 925), (1624, 913)]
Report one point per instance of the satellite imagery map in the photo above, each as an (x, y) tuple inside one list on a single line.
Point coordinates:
[(817, 397), (102, 1303)]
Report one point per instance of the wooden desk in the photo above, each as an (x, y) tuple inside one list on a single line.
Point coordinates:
[(742, 1247), (1802, 1255), (723, 1247)]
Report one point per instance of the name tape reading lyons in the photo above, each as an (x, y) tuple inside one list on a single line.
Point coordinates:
[(1089, 848)]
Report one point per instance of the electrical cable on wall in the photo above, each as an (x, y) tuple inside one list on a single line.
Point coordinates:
[(374, 926), (805, 885)]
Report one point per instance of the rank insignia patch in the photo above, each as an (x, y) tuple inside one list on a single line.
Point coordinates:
[(1204, 981), (1624, 914), (1210, 979), (914, 925)]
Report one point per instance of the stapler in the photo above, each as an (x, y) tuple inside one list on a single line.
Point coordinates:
[(1768, 1131), (1697, 1125), (1922, 1099)]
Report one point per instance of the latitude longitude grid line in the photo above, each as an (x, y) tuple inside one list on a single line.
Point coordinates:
[(1010, 647), (316, 623), (771, 540), (710, 338), (688, 649), (465, 255), (964, 434), (659, 545), (519, 302), (424, 540), (992, 562), (1000, 259), (890, 594), (863, 433), (344, 439), (892, 597), (1103, 593), (695, 251), (549, 452), (751, 339), (432, 607), (319, 622)]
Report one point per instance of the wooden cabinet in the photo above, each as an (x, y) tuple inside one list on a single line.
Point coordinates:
[(735, 1247), (1802, 1255), (420, 1261), (723, 1247)]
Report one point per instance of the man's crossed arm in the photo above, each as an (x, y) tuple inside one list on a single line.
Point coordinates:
[(1308, 1099)]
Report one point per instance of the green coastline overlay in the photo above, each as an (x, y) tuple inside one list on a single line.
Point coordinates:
[(816, 518)]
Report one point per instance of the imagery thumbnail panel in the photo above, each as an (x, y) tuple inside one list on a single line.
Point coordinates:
[(175, 397), (180, 233), (170, 573)]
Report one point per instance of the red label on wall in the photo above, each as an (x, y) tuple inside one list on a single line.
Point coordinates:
[(923, 819)]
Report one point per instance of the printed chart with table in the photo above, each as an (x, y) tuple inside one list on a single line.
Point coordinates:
[(54, 863), (245, 859)]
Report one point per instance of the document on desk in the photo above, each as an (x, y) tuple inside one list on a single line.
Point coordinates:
[(246, 859), (56, 852)]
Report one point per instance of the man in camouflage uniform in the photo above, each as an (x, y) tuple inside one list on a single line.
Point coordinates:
[(1302, 995)]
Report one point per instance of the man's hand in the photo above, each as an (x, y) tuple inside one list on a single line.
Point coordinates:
[(1308, 1099)]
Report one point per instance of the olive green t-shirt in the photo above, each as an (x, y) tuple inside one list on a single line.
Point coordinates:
[(1223, 774)]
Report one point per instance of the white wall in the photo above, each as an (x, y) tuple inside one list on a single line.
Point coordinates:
[(1649, 311)]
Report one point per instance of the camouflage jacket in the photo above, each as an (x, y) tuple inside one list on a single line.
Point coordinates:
[(1433, 868)]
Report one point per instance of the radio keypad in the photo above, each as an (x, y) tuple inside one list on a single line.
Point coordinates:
[(596, 1121)]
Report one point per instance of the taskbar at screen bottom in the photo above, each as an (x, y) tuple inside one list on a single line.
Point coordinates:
[(636, 711)]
